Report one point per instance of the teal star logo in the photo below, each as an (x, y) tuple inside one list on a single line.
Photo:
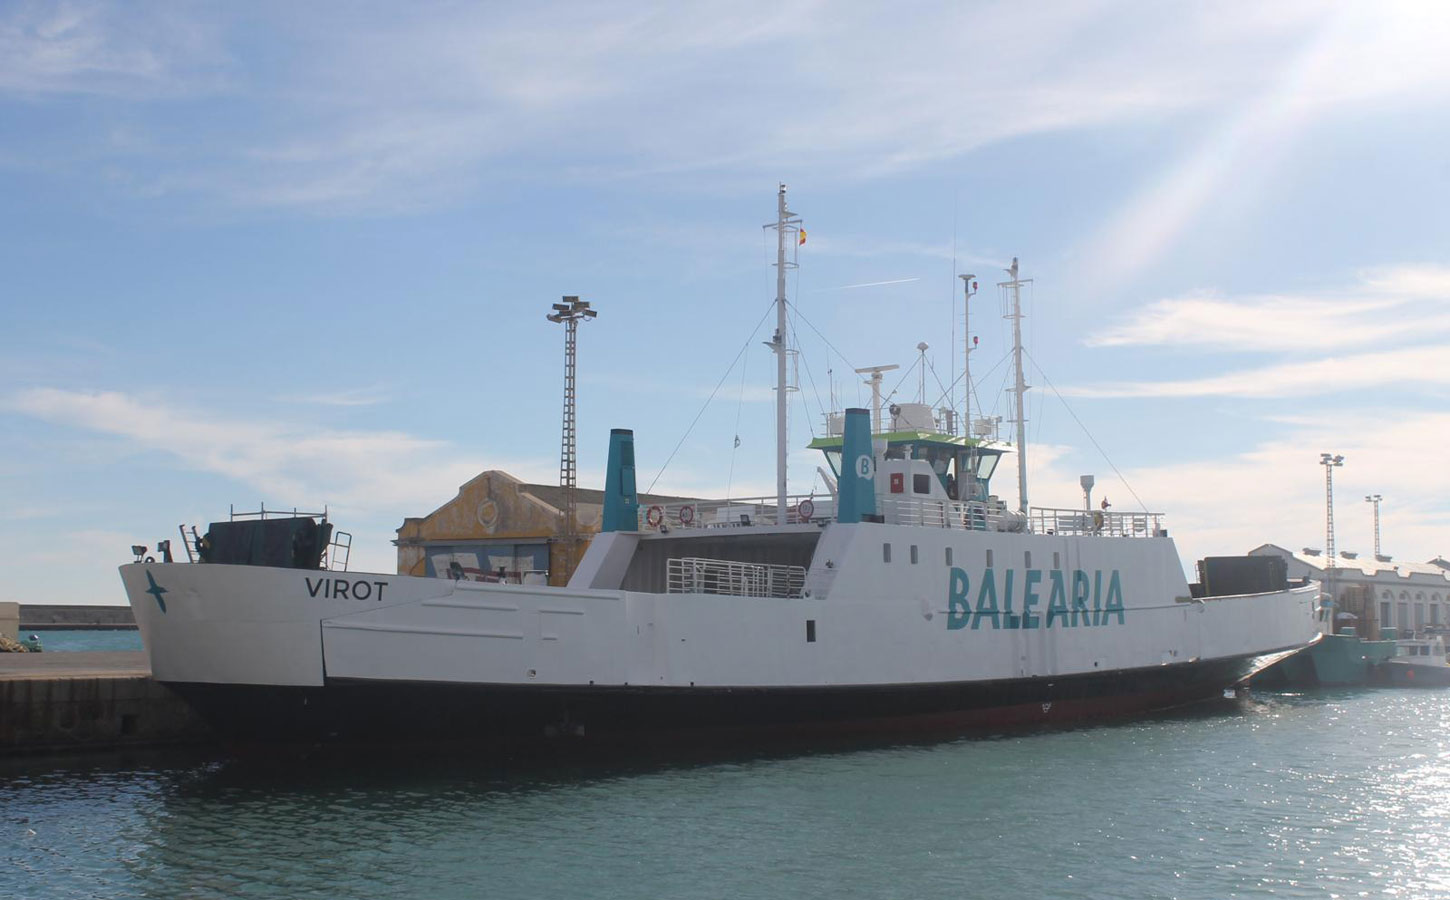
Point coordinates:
[(156, 591)]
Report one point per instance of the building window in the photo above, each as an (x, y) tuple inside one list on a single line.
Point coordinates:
[(1404, 615), (1385, 621)]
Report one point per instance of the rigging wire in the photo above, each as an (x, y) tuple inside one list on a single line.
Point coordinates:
[(739, 405), (1085, 431), (695, 421), (827, 340), (800, 358)]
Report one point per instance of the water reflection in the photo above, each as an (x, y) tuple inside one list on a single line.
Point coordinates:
[(1300, 794)]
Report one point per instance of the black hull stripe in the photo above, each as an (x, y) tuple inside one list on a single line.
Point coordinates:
[(349, 711)]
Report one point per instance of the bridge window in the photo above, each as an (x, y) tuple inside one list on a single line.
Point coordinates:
[(989, 559), (949, 556), (921, 483), (886, 553), (913, 554)]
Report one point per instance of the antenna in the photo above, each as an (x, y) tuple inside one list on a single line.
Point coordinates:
[(875, 382), (571, 312), (969, 288), (921, 374)]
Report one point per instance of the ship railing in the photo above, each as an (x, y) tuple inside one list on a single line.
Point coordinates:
[(934, 512), (697, 575), (800, 509), (1106, 523)]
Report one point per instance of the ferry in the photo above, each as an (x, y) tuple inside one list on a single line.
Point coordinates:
[(906, 597)]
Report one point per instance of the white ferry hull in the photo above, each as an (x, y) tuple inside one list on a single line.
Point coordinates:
[(872, 644)]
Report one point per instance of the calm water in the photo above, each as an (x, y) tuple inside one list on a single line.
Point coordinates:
[(119, 639), (1335, 794)]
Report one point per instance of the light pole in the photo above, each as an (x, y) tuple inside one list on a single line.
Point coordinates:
[(571, 312), (1329, 462), (1375, 499)]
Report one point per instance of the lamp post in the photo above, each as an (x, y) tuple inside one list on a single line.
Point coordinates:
[(1375, 499), (571, 312), (1330, 462)]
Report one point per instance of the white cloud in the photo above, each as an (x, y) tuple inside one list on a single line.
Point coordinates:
[(419, 107), (120, 50), (359, 471), (1377, 308), (1424, 365)]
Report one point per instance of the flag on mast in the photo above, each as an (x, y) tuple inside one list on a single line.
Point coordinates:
[(803, 237)]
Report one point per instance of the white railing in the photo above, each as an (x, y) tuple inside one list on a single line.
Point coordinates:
[(695, 575), (801, 509), (1096, 522), (931, 512)]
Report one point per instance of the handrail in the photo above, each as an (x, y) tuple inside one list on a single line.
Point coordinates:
[(801, 509), (697, 575), (1046, 520)]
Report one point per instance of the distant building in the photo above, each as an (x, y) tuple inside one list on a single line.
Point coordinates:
[(500, 528), (1377, 591)]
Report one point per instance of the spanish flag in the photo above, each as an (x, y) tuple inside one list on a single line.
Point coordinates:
[(803, 237)]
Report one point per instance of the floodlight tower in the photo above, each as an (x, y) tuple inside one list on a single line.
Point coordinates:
[(1330, 462), (1375, 499), (571, 312)]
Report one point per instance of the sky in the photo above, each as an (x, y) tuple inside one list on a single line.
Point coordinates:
[(301, 255)]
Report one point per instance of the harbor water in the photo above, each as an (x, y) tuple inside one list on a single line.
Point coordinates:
[(1335, 794), (66, 640)]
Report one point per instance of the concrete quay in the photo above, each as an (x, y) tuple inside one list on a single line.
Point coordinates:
[(76, 617), (75, 701)]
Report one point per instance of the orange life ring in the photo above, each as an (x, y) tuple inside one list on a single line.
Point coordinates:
[(686, 514), (805, 510), (655, 516)]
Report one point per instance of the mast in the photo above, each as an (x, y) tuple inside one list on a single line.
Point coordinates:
[(1015, 286), (969, 287), (786, 222)]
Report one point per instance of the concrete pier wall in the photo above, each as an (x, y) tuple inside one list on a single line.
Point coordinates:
[(40, 616), (88, 707)]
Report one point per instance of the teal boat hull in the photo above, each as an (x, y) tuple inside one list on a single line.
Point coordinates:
[(1335, 660)]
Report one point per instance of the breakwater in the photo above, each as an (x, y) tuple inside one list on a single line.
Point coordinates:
[(80, 617), (69, 701)]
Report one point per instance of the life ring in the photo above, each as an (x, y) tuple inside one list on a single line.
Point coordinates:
[(686, 514), (805, 510), (655, 516)]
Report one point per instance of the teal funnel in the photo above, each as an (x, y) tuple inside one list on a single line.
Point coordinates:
[(621, 504), (857, 485)]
